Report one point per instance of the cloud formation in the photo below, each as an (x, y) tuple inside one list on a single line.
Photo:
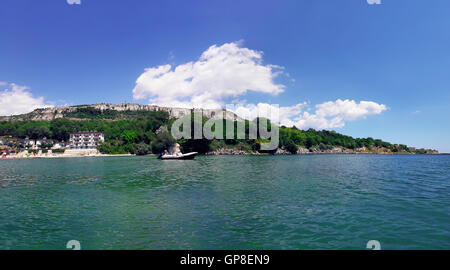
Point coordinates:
[(17, 99), (230, 71), (328, 115), (221, 72)]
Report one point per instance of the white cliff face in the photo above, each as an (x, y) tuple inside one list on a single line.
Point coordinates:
[(49, 114)]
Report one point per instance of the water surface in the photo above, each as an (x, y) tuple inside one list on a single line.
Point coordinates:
[(227, 202)]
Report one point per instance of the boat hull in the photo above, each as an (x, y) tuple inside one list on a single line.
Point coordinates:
[(180, 157)]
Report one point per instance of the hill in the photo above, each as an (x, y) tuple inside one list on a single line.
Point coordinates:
[(104, 111), (136, 129)]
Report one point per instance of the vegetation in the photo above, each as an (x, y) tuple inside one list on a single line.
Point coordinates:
[(142, 149), (327, 140), (121, 136), (93, 113), (137, 132), (163, 141)]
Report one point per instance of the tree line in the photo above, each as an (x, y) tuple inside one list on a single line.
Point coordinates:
[(149, 132)]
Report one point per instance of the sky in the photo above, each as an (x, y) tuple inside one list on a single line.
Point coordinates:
[(364, 70)]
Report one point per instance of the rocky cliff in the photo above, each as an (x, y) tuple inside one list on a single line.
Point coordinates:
[(48, 114)]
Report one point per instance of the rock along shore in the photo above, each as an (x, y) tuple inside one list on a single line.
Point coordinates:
[(312, 151)]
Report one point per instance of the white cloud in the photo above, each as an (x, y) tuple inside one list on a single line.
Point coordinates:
[(230, 71), (76, 2), (349, 109), (221, 72), (16, 99), (328, 115), (274, 112)]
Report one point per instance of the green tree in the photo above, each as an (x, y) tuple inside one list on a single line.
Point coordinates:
[(309, 142), (129, 136), (142, 149), (291, 147), (162, 142)]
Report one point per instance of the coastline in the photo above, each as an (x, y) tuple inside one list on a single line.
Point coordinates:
[(218, 154), (55, 156), (316, 151)]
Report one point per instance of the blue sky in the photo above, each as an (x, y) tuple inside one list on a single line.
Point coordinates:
[(393, 54)]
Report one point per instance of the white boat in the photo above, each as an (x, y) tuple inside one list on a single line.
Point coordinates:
[(178, 156), (175, 153)]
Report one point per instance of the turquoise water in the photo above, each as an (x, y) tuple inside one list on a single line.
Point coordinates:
[(227, 202)]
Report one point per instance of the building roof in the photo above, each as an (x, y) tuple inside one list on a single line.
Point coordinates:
[(86, 132)]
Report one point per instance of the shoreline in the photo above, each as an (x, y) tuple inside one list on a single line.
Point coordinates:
[(66, 156), (209, 154), (311, 154)]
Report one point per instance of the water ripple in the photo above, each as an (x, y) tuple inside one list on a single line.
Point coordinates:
[(226, 202)]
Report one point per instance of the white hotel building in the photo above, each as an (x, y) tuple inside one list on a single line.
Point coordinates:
[(86, 140)]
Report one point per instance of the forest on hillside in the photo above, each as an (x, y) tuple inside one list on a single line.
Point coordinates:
[(147, 132)]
